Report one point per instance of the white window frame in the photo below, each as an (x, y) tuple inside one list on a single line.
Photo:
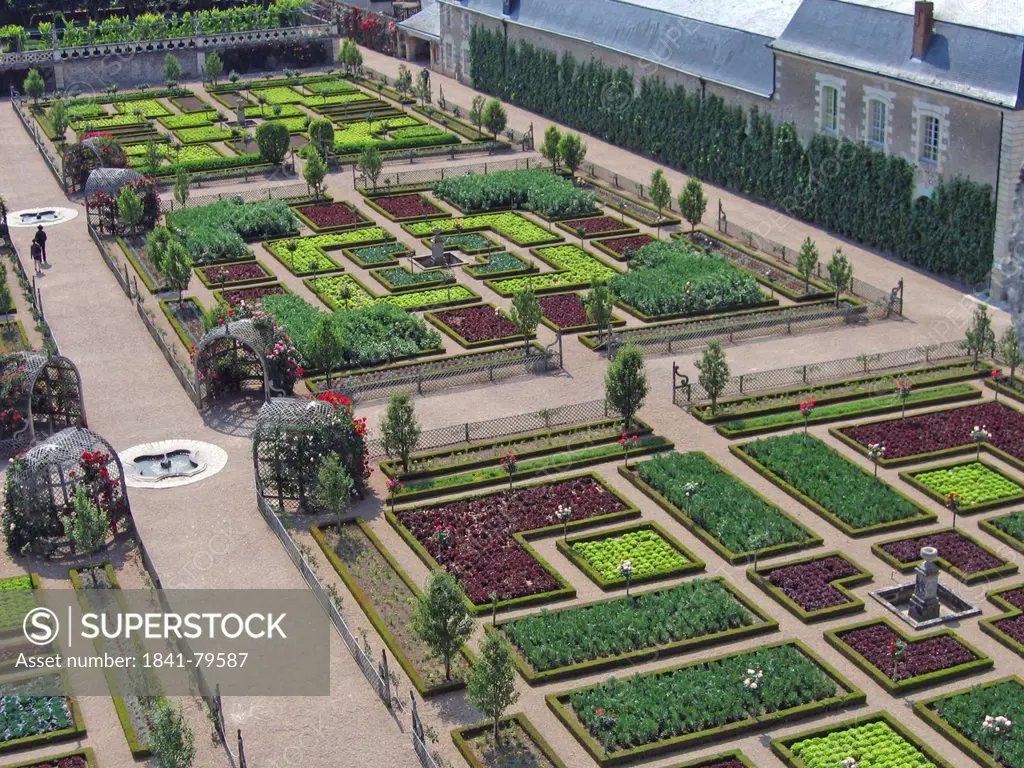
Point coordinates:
[(876, 128), (931, 138), (829, 109), (827, 84), (922, 112), (885, 99)]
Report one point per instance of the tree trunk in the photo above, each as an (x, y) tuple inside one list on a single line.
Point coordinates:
[(405, 463), (497, 735), (447, 667)]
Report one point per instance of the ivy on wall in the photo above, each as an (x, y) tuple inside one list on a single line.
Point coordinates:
[(841, 185)]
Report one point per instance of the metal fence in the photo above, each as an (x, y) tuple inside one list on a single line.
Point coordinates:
[(418, 177), (686, 393), (282, 192)]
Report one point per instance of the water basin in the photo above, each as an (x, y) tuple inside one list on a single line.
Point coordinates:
[(172, 464)]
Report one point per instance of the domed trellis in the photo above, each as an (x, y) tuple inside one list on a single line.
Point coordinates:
[(38, 394), (232, 356), (41, 488), (291, 438)]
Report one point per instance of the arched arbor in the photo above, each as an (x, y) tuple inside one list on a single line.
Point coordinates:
[(39, 395), (240, 356)]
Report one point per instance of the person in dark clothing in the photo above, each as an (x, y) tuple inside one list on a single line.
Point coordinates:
[(40, 239), (37, 257)]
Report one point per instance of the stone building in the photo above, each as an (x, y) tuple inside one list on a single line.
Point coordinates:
[(939, 83)]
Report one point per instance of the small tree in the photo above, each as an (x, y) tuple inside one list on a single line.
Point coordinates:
[(599, 304), (88, 526), (625, 383), (59, 119), (572, 150), (315, 171), (6, 299), (321, 136), (371, 164), (492, 688), (403, 83), (354, 58), (129, 208), (326, 349), (807, 262), (979, 337), (399, 428), (693, 202), (172, 69), (343, 54), (1010, 351), (176, 266), (152, 157), (840, 273), (170, 737), (35, 85), (714, 372), (273, 141), (213, 67), (182, 186), (495, 117), (476, 110), (336, 485), (441, 619), (422, 91), (661, 193), (551, 147), (525, 315)]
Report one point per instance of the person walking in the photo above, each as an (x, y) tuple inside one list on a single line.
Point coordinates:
[(40, 238), (37, 257)]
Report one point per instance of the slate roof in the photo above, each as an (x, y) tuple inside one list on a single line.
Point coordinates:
[(426, 23), (969, 61)]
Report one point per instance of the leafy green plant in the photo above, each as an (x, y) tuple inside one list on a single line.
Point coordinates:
[(540, 191), (649, 553), (216, 232), (509, 224), (441, 619), (203, 133), (966, 713), (974, 483), (873, 744), (576, 267)]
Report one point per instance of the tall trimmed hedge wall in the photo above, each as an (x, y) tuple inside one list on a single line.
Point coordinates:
[(839, 184)]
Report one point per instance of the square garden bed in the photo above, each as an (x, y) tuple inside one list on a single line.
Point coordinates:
[(408, 207), (1007, 628), (520, 745), (814, 588), (498, 264), (596, 226), (82, 758), (477, 326), (234, 273), (399, 279), (566, 313), (624, 248), (324, 217), (1009, 529), (963, 557), (17, 597), (469, 243), (250, 295), (383, 255), (37, 710), (979, 485), (733, 759)]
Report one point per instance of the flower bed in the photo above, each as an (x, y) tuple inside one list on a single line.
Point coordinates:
[(508, 224), (1007, 528), (500, 264), (655, 712), (876, 741), (331, 216), (1007, 628), (899, 663), (831, 485), (574, 268), (234, 273), (566, 313), (235, 296), (398, 279), (624, 248), (814, 588), (17, 598), (345, 292), (486, 546), (630, 629), (596, 226), (407, 207), (470, 243), (724, 512), (383, 255), (550, 195), (959, 554), (941, 433), (969, 718), (651, 551), (476, 326), (979, 486), (520, 745)]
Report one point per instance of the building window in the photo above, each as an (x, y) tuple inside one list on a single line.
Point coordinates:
[(877, 123), (931, 129), (448, 56), (465, 23), (829, 109)]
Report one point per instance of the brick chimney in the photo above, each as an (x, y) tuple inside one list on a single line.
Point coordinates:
[(924, 20)]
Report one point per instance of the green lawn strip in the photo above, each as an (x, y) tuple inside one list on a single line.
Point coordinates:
[(527, 468), (1012, 614), (28, 703), (821, 414), (388, 597), (18, 596), (726, 514), (1009, 528), (1004, 569), (654, 713), (853, 604), (959, 716), (528, 444), (330, 290), (652, 551), (852, 388), (574, 268), (980, 663), (620, 631), (521, 745), (878, 737), (981, 486), (829, 484)]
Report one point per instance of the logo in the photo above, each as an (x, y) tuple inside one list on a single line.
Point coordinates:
[(40, 626)]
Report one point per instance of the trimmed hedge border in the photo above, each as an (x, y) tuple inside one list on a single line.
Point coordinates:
[(75, 731), (733, 558), (1013, 394), (763, 624), (142, 273), (980, 664), (625, 229), (362, 219), (441, 325), (988, 626), (165, 307), (565, 591), (268, 274), (369, 198), (923, 709), (925, 516), (759, 577), (557, 702), (970, 509), (53, 760), (693, 565), (461, 736), (317, 532), (989, 526), (781, 746), (999, 571)]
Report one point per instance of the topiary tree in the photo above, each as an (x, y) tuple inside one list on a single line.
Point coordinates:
[(807, 262), (661, 193), (572, 149), (625, 383), (336, 487), (840, 273), (371, 164), (693, 202), (129, 209), (273, 141), (172, 70), (1010, 352), (492, 688), (979, 337), (213, 67), (714, 372), (403, 83), (599, 304), (35, 85), (152, 157), (476, 110), (525, 315), (321, 136), (495, 118), (182, 186), (326, 349), (59, 119), (175, 266), (315, 171), (551, 146), (399, 428), (441, 619), (171, 739)]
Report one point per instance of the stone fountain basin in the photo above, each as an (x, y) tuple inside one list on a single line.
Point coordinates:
[(191, 461), (952, 607), (163, 466)]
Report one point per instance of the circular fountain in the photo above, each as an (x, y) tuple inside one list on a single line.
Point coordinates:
[(33, 217), (171, 463)]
